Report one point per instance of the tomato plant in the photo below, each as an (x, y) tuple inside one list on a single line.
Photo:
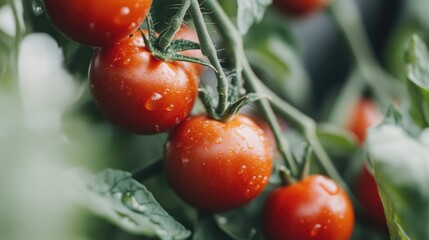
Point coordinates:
[(97, 22), (300, 7), (216, 166), (138, 92), (314, 208), (223, 164)]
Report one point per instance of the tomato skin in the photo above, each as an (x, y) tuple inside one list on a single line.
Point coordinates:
[(366, 115), (367, 193), (300, 7), (314, 208), (216, 166), (138, 92), (97, 22), (187, 33)]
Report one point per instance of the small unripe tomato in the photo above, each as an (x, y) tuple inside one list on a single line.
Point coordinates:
[(216, 166), (97, 22), (139, 92), (314, 208)]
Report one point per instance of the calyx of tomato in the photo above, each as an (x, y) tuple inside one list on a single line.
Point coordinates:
[(171, 52), (287, 177)]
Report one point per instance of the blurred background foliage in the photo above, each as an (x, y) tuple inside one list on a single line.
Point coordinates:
[(49, 124)]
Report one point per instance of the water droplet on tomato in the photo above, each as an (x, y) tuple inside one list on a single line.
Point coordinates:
[(125, 11), (127, 60), (170, 108), (218, 140), (152, 103), (185, 160), (329, 186), (92, 25), (315, 230)]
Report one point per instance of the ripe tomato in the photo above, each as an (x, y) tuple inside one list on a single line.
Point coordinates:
[(367, 193), (314, 208), (138, 92), (216, 166), (366, 115), (188, 33), (97, 22), (300, 7)]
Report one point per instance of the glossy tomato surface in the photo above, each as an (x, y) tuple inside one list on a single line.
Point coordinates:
[(138, 92), (216, 166), (300, 7), (97, 22), (367, 193), (365, 115), (314, 208)]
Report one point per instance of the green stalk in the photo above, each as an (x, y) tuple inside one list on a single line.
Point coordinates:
[(174, 25), (347, 17), (208, 50)]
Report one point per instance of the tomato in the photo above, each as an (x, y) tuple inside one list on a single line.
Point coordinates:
[(366, 115), (314, 208), (367, 193), (187, 33), (216, 166), (300, 7), (97, 22), (138, 92)]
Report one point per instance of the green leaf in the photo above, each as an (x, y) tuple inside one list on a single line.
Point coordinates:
[(417, 70), (400, 164), (250, 12), (236, 224), (337, 141), (206, 229), (115, 196), (182, 45), (418, 10)]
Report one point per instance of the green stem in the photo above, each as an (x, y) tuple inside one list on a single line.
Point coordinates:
[(148, 170), (174, 25), (208, 50), (19, 29), (304, 123), (348, 19)]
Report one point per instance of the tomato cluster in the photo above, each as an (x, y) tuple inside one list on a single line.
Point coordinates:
[(213, 165)]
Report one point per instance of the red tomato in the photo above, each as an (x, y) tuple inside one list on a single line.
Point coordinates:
[(188, 33), (314, 208), (97, 22), (300, 7), (216, 166), (366, 115), (367, 193), (138, 92)]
